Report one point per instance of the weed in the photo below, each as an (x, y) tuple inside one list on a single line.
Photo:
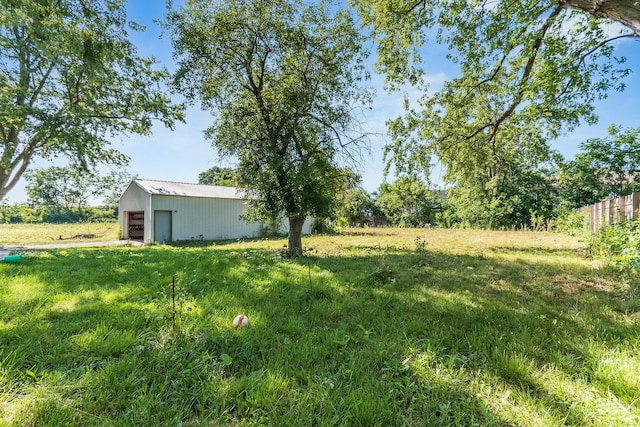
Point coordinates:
[(382, 275)]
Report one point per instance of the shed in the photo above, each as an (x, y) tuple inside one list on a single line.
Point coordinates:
[(162, 211)]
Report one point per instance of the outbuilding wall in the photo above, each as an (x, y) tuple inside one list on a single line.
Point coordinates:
[(135, 199), (208, 219)]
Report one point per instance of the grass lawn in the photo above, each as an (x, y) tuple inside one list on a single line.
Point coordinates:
[(376, 327), (22, 234)]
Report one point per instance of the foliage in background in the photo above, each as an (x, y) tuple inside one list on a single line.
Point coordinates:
[(605, 167), (572, 222), (527, 72), (18, 214), (227, 177), (616, 160), (619, 245), (579, 183), (70, 80), (408, 202), (510, 202), (25, 214), (113, 185), (68, 195), (72, 189), (354, 206)]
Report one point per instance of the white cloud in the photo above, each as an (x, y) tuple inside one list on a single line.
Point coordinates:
[(436, 79)]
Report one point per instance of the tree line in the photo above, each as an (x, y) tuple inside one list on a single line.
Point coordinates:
[(65, 194), (536, 198), (604, 167)]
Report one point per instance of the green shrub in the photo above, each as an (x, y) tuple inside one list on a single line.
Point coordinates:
[(619, 244), (272, 227), (325, 226), (18, 214), (24, 214), (570, 221)]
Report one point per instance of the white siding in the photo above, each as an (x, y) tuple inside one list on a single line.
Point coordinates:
[(306, 227), (134, 199), (213, 219)]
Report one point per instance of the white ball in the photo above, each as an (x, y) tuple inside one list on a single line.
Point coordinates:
[(240, 321)]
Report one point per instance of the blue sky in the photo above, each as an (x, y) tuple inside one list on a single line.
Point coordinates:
[(181, 154)]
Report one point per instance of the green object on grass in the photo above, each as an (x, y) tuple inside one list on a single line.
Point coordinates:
[(13, 259)]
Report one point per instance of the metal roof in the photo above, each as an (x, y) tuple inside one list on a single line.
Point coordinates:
[(183, 189)]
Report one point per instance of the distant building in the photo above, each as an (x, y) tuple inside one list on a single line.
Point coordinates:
[(161, 211)]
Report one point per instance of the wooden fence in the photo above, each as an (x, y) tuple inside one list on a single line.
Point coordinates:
[(611, 211)]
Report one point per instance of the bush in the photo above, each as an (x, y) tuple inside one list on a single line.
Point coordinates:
[(571, 221), (272, 228), (324, 226), (20, 214), (619, 244)]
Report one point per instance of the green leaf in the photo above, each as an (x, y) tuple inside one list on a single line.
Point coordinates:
[(226, 359)]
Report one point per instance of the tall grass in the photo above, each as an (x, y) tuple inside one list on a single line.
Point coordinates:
[(21, 234), (373, 327)]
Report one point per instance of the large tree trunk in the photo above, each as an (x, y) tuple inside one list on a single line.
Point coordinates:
[(626, 12), (10, 176), (294, 247)]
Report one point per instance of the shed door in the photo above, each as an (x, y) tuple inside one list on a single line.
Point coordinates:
[(135, 226), (162, 226)]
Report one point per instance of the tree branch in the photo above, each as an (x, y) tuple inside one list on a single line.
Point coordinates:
[(623, 36), (415, 6), (627, 12), (43, 81)]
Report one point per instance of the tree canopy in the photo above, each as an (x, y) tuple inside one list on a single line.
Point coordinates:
[(69, 80), (529, 72), (354, 205), (71, 189), (615, 160), (605, 167), (408, 202), (282, 78), (218, 176)]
